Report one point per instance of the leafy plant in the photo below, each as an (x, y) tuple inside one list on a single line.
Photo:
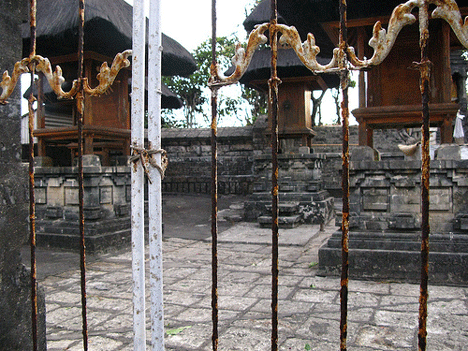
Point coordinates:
[(176, 330)]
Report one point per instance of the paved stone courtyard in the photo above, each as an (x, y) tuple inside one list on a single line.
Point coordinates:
[(382, 315)]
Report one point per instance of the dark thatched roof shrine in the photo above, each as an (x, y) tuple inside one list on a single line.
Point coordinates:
[(168, 98), (308, 15), (108, 31)]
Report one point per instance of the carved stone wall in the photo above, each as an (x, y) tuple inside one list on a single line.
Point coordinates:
[(385, 222), (386, 195), (106, 207)]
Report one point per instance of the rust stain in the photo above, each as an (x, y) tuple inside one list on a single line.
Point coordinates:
[(424, 67), (273, 83), (214, 186), (19, 68)]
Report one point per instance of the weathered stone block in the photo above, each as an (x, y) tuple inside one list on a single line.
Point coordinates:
[(449, 152), (375, 199), (92, 213), (43, 161), (363, 153), (376, 225), (441, 199), (54, 212), (105, 194), (403, 221), (71, 196)]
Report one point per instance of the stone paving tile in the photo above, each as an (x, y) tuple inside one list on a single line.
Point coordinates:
[(381, 315)]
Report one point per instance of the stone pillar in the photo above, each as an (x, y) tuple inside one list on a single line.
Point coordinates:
[(15, 305)]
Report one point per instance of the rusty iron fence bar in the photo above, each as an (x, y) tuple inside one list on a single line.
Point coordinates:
[(214, 218), (343, 43), (273, 83), (214, 188), (425, 66), (32, 201), (80, 118)]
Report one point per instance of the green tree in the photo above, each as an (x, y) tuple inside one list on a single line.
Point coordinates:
[(193, 90)]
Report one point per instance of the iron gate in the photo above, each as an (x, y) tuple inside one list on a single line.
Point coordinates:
[(343, 61)]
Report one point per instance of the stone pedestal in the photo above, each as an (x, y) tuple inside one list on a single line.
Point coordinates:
[(385, 221), (301, 197), (106, 206)]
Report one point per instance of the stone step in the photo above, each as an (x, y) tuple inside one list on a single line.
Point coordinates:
[(91, 228), (285, 222), (398, 241), (395, 265), (286, 208), (291, 196), (97, 243)]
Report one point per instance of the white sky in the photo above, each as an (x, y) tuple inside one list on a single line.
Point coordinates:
[(189, 21)]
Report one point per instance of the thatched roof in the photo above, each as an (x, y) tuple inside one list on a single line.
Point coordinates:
[(108, 30), (168, 98), (308, 15)]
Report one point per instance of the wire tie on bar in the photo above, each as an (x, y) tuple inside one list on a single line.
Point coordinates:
[(145, 156)]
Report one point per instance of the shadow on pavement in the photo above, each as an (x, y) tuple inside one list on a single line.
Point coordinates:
[(185, 216)]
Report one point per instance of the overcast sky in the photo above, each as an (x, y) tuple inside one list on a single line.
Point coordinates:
[(189, 21)]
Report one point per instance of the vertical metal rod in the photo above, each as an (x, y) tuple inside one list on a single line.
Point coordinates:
[(273, 83), (32, 218), (154, 187), (80, 110), (32, 201), (424, 66), (137, 187), (214, 187), (345, 178)]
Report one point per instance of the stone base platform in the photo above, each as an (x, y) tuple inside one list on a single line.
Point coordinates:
[(397, 257), (100, 236), (294, 208)]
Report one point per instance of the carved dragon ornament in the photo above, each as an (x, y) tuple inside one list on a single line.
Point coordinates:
[(105, 77)]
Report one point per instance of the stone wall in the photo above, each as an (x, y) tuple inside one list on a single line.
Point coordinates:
[(189, 152), (15, 303)]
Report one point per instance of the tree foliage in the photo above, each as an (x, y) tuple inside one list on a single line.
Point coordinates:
[(193, 90)]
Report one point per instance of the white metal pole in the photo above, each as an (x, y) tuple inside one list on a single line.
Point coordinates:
[(154, 191), (137, 125)]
